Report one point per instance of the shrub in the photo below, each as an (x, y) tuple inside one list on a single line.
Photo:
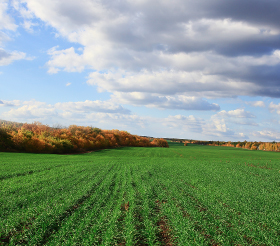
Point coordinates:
[(160, 143)]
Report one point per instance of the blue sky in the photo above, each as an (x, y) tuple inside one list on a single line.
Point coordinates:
[(198, 69)]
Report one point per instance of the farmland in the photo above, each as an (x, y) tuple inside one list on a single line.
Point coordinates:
[(193, 195)]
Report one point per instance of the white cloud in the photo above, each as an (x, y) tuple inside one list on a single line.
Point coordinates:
[(238, 116), (165, 102), (28, 25), (184, 123), (68, 84), (268, 134), (7, 25), (256, 104), (5, 103), (32, 111), (7, 58), (92, 106), (35, 110), (243, 136), (210, 128), (237, 113), (169, 83), (6, 22), (67, 60), (103, 114), (274, 107)]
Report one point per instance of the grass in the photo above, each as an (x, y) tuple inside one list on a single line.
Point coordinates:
[(193, 195)]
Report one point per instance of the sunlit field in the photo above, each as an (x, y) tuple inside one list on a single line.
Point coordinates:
[(182, 195)]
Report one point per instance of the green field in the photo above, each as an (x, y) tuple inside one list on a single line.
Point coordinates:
[(193, 195)]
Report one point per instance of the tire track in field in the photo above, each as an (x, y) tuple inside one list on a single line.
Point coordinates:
[(164, 235), (54, 227), (140, 239), (30, 172), (120, 222)]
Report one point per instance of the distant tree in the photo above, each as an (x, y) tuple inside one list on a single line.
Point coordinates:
[(6, 142)]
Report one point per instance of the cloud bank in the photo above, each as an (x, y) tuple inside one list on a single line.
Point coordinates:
[(167, 50)]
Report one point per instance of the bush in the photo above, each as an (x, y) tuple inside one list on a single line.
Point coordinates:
[(160, 143)]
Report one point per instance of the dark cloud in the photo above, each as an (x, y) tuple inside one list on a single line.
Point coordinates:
[(253, 11), (251, 47)]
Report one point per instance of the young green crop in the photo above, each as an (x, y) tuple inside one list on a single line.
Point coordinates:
[(184, 195)]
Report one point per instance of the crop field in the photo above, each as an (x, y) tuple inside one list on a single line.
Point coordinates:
[(193, 195)]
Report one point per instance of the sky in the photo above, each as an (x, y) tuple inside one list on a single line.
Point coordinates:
[(195, 69)]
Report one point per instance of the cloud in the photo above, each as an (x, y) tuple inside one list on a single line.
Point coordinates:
[(35, 110), (164, 102), (171, 82), (28, 25), (31, 111), (6, 22), (7, 25), (238, 116), (185, 123), (173, 48), (256, 104), (66, 59), (92, 106), (68, 84), (7, 58), (237, 113), (211, 128), (103, 114), (272, 135), (243, 136), (274, 107), (12, 103)]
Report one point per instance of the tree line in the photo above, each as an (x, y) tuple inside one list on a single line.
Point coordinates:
[(267, 146), (39, 138)]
